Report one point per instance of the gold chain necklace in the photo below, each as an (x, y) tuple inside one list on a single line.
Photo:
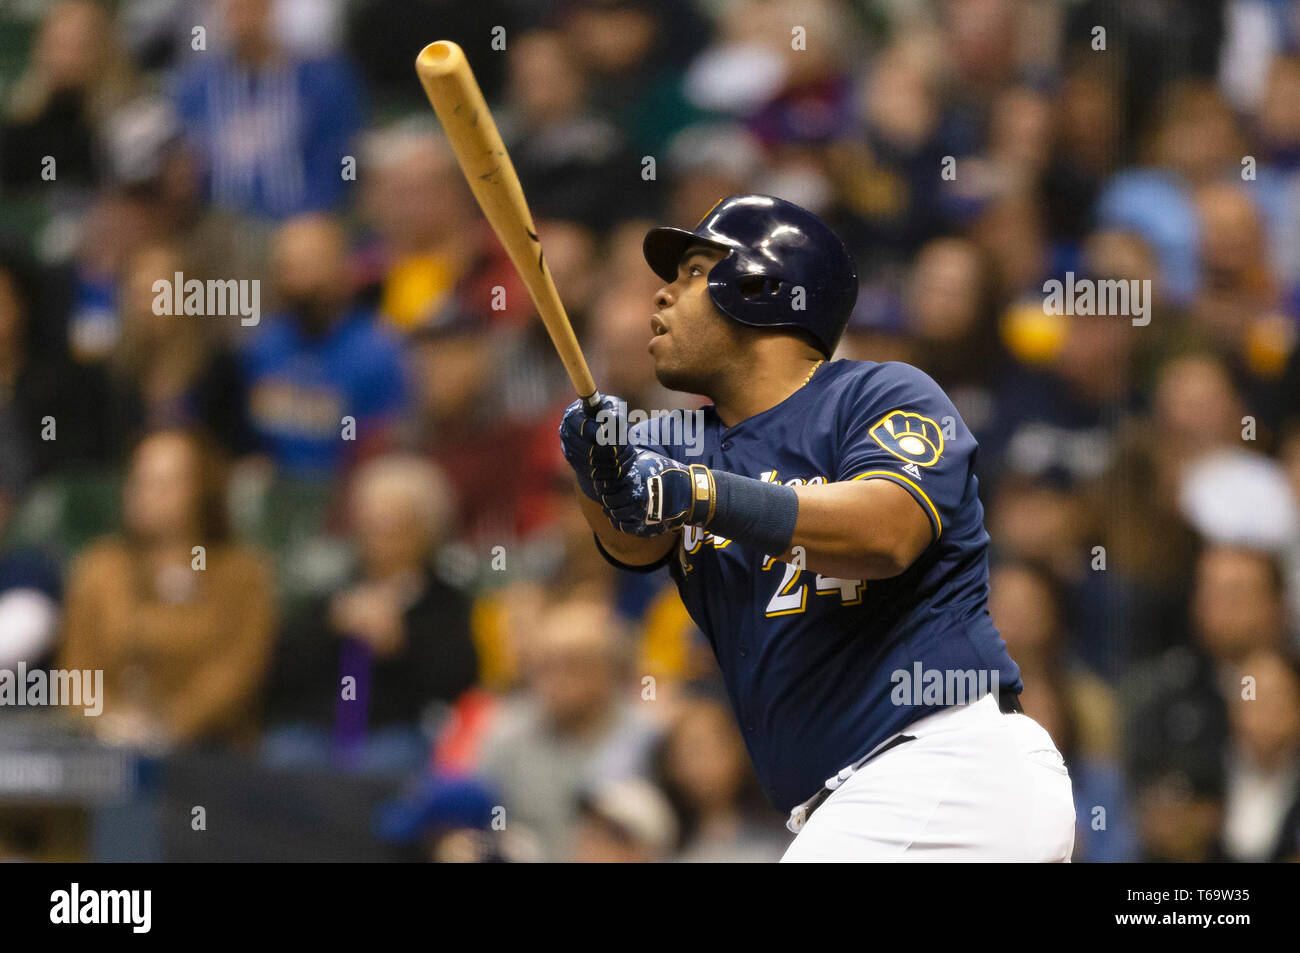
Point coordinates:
[(812, 372)]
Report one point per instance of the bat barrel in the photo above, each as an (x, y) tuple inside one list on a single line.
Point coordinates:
[(455, 96), (439, 59)]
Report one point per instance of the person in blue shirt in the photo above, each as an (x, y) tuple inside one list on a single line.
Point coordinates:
[(324, 378), (827, 536), (271, 130)]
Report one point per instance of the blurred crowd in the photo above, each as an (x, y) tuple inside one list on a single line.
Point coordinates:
[(338, 534)]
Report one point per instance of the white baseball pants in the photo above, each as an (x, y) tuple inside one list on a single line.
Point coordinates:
[(974, 785)]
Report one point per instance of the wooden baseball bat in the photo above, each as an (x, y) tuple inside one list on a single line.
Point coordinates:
[(455, 95)]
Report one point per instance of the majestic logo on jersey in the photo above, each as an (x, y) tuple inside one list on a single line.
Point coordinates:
[(912, 438)]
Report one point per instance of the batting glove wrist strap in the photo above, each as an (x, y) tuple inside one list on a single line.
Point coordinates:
[(751, 511), (681, 495), (704, 495)]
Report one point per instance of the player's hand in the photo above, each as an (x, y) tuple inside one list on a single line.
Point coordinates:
[(651, 496), (590, 444)]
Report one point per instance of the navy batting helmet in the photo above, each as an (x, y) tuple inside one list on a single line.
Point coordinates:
[(774, 249)]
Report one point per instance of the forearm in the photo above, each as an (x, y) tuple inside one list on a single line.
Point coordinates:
[(870, 529), (860, 530), (632, 550)]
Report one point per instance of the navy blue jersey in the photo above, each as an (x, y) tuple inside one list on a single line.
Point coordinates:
[(822, 670)]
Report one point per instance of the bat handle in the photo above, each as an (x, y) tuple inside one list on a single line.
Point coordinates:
[(592, 401)]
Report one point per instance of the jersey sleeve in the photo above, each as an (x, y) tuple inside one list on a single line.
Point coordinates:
[(903, 428)]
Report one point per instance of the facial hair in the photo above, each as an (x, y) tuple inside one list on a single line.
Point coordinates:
[(313, 314)]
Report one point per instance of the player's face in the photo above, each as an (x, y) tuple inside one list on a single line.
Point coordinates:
[(690, 335)]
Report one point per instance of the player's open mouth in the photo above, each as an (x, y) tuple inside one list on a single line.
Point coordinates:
[(658, 328)]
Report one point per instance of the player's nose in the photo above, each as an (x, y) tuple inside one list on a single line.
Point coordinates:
[(664, 297)]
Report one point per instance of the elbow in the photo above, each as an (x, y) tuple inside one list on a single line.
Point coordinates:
[(883, 566)]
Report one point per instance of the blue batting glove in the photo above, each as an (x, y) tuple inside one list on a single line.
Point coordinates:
[(653, 494), (589, 442)]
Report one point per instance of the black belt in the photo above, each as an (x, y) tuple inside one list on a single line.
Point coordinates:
[(1008, 704)]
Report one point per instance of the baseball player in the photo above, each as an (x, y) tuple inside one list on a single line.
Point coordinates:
[(828, 538)]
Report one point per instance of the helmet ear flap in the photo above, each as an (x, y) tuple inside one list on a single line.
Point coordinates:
[(759, 286)]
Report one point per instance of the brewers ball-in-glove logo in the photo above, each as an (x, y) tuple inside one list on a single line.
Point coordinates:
[(912, 438)]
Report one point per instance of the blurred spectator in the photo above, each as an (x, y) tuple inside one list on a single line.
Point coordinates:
[(497, 464), (1042, 521), (1196, 140), (30, 399), (1150, 545), (320, 360), (1011, 230), (30, 590), (1237, 311), (1240, 497), (77, 75), (626, 821), (1086, 140), (949, 311), (179, 619), (271, 129), (1055, 421), (153, 166), (981, 39), (171, 370), (1180, 815), (634, 52), (1196, 412), (1238, 605), (358, 672), (153, 197), (1263, 761), (706, 772), (1178, 705), (1289, 456), (706, 162), (887, 179), (571, 159), (30, 391), (571, 728), (117, 225), (1028, 606), (433, 258), (1278, 122), (574, 256), (1018, 150), (453, 820)]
